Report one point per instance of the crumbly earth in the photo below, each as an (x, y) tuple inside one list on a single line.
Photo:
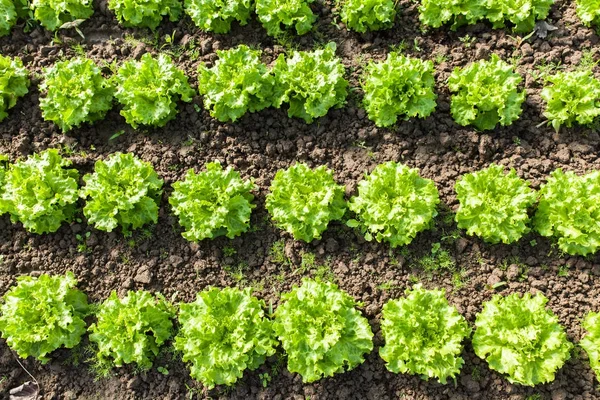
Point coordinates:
[(159, 259)]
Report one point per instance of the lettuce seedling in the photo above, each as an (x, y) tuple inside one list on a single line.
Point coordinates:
[(14, 83), (123, 191), (368, 15), (423, 335), (217, 15), (145, 13), (42, 314), (53, 14), (569, 210), (485, 93), (303, 201), (573, 96), (394, 204), (321, 331), (224, 333), (213, 203), (519, 337), (40, 192), (310, 82), (75, 92), (591, 341), (149, 90), (237, 83), (276, 15), (494, 205), (131, 329), (400, 86)]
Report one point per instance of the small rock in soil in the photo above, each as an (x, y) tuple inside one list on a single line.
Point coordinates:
[(143, 275)]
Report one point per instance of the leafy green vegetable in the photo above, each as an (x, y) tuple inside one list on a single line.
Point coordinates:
[(311, 82), (76, 92), (3, 168), (521, 14), (486, 93), (14, 81), (40, 315), (223, 333), (399, 86), (519, 337), (569, 210), (145, 13), (494, 205), (303, 201), (132, 329), (149, 90), (423, 335), (9, 16), (237, 83), (591, 341), (217, 15), (52, 14), (277, 14), (213, 203), (321, 331), (39, 192), (589, 12), (363, 15), (123, 191), (574, 96), (394, 204)]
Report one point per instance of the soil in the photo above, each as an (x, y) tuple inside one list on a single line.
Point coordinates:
[(159, 259)]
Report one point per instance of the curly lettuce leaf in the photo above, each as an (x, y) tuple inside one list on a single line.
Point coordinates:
[(123, 191), (277, 14), (222, 334), (217, 15), (42, 314), (8, 19), (145, 13), (14, 83), (591, 341), (372, 15), (519, 337), (321, 331), (52, 14), (589, 12)]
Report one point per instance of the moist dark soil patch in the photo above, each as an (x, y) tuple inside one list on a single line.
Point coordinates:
[(345, 140)]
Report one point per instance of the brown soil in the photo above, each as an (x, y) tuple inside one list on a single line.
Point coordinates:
[(351, 145)]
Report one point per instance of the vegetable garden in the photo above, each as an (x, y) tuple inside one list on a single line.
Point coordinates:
[(300, 199)]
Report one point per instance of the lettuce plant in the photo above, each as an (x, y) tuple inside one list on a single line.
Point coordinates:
[(519, 337), (423, 335), (494, 205), (123, 191), (76, 92), (277, 14), (372, 15), (394, 204), (14, 83), (591, 341), (149, 90), (145, 13), (237, 83), (399, 86), (321, 331), (522, 15), (53, 14), (222, 334), (485, 93), (589, 12), (40, 192), (573, 96), (569, 210), (213, 203), (217, 15), (9, 16), (40, 315), (302, 201), (131, 329), (310, 82), (3, 168)]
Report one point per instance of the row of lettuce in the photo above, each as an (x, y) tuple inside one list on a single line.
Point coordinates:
[(484, 94), (393, 204), (225, 332), (281, 16)]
